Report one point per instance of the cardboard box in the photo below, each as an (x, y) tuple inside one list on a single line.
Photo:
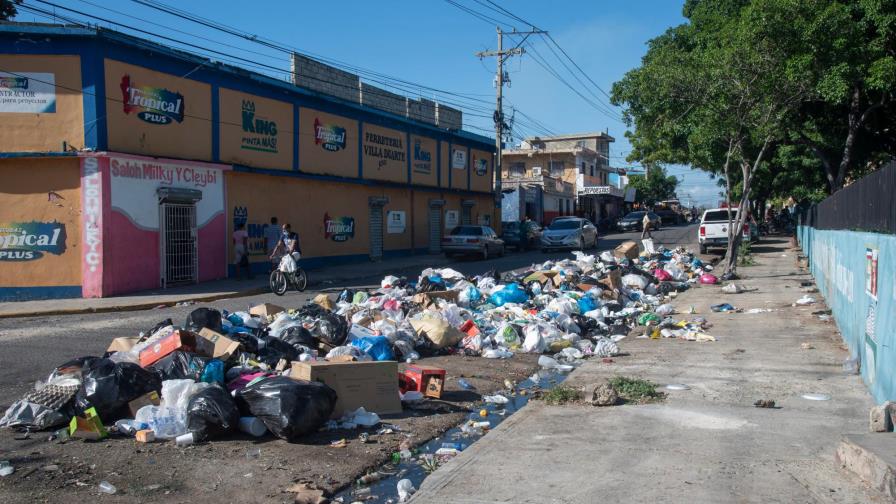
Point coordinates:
[(122, 344), (324, 301), (178, 340), (543, 277), (150, 398), (613, 280), (628, 250), (370, 384), (428, 298), (427, 380), (213, 344), (145, 436), (265, 310)]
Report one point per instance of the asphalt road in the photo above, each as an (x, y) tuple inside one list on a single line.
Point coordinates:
[(32, 347)]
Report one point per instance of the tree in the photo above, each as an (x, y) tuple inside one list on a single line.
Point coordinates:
[(654, 186), (709, 93), (8, 9)]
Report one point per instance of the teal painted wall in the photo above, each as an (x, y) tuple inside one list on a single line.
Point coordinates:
[(839, 261)]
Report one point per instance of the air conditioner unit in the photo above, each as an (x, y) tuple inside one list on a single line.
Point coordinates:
[(536, 171)]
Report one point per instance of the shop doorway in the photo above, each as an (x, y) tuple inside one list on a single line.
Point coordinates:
[(466, 212), (435, 226), (375, 224), (177, 240)]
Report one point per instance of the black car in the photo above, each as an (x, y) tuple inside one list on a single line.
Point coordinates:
[(669, 217), (521, 235), (634, 221)]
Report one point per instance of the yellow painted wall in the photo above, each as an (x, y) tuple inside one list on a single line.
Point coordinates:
[(446, 163), (420, 219), (399, 199), (423, 171), (255, 131), (53, 195), (481, 182), (459, 176), (314, 158), (31, 132), (189, 139), (384, 153)]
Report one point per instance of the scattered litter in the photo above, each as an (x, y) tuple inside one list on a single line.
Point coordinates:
[(495, 399), (732, 288), (805, 301), (764, 403), (341, 443), (107, 488), (677, 386), (816, 397), (807, 346), (723, 307), (6, 468)]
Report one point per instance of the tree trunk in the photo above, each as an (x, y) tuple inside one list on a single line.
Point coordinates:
[(855, 121), (735, 228)]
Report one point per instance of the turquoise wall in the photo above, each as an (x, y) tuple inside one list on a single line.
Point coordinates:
[(838, 260)]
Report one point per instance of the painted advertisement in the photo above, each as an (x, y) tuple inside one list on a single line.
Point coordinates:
[(338, 229), (259, 132), (257, 231), (328, 144), (396, 221), (92, 205), (480, 166), (27, 241), (255, 131), (385, 154), (871, 272), (154, 105), (28, 92), (422, 160), (330, 137)]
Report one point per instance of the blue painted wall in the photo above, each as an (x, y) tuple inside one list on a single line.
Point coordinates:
[(837, 260)]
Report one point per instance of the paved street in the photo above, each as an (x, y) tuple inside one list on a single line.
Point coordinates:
[(34, 345)]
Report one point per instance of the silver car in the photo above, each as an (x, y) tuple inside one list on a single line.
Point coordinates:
[(474, 240), (569, 233)]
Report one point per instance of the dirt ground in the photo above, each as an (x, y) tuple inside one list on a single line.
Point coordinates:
[(239, 468)]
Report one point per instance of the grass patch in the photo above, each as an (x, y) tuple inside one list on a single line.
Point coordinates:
[(744, 255), (561, 394), (635, 390)]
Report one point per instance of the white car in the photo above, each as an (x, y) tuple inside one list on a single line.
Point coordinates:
[(569, 233), (713, 231)]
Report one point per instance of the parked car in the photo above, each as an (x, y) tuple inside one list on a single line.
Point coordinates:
[(473, 240), (521, 235), (669, 217), (634, 221), (569, 233), (713, 232)]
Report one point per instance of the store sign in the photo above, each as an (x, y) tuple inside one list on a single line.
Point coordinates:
[(452, 219), (459, 159), (259, 133), (338, 229), (385, 148), (163, 173), (422, 159), (396, 221), (28, 92), (27, 241), (329, 136), (871, 258), (151, 104), (481, 167)]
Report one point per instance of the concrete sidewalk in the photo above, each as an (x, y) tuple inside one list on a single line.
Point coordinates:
[(321, 278), (708, 444)]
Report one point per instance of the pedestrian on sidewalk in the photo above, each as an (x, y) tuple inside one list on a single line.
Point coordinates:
[(241, 250), (645, 226)]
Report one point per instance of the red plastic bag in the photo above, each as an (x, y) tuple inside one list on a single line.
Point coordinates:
[(662, 275)]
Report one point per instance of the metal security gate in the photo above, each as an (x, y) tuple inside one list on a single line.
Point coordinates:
[(435, 226), (177, 243), (466, 212), (375, 224)]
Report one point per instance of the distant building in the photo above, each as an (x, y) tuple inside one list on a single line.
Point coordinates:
[(547, 177)]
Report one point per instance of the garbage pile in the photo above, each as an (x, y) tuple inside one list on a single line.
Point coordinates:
[(262, 370)]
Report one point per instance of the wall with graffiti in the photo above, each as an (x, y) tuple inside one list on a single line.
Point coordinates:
[(40, 231)]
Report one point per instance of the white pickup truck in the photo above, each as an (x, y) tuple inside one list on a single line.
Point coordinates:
[(714, 228)]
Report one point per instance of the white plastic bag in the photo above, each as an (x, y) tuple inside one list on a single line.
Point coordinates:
[(664, 310), (497, 353), (633, 281), (533, 342), (287, 264)]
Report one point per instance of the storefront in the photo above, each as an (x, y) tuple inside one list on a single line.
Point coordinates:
[(148, 172)]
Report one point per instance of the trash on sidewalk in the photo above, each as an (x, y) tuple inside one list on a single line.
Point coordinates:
[(804, 301), (733, 288), (427, 380), (764, 403)]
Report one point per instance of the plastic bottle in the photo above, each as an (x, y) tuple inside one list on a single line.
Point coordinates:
[(107, 488), (454, 446), (465, 384)]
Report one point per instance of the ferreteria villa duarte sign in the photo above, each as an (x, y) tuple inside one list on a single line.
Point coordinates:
[(384, 147), (153, 105), (329, 136), (259, 134)]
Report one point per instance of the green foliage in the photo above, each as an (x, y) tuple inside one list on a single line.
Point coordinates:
[(655, 186), (561, 394), (745, 256), (8, 9), (635, 389)]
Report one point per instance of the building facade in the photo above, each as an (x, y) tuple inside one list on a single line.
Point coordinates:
[(128, 164), (570, 174)]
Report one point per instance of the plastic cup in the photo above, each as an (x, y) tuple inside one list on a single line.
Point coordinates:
[(184, 439), (252, 426)]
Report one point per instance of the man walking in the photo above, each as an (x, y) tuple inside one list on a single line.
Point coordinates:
[(645, 226)]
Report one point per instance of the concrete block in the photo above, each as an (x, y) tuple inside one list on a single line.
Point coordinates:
[(880, 420), (871, 457)]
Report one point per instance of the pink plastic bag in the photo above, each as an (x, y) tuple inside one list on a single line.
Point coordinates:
[(662, 275), (708, 279)]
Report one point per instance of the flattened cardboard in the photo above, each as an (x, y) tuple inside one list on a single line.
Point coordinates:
[(628, 250), (428, 298), (122, 344), (371, 384), (265, 310), (213, 344)]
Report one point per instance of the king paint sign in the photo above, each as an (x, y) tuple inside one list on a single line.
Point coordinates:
[(27, 241)]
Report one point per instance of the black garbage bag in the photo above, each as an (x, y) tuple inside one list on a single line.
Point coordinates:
[(248, 342), (180, 365), (431, 284), (299, 337), (110, 386), (331, 329), (275, 349), (211, 412), (346, 296), (313, 310), (164, 323), (204, 317), (73, 368), (289, 408)]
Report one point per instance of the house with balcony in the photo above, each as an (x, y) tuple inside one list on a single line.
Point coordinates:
[(547, 177)]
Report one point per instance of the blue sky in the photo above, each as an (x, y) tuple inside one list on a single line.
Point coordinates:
[(432, 42)]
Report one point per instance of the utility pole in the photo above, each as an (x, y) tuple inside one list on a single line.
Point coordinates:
[(500, 54)]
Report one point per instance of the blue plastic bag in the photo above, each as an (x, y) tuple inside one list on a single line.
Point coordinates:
[(377, 347), (511, 293), (587, 304), (213, 372)]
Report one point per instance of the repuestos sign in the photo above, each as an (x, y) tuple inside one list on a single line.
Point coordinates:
[(153, 105), (329, 136), (338, 229), (27, 241), (259, 134)]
